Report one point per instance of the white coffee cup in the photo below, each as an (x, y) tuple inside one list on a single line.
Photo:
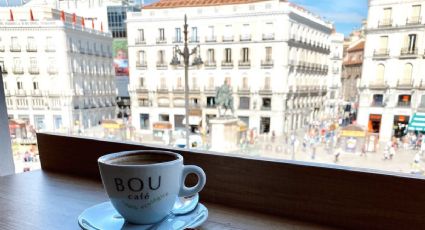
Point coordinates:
[(143, 184)]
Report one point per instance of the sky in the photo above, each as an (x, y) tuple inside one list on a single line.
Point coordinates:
[(346, 14)]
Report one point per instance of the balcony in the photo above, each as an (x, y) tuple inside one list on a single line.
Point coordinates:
[(162, 90), (139, 41), (244, 90), (210, 90), (3, 70), (266, 64), (52, 70), (161, 40), (245, 38), (210, 38), (50, 49), (385, 23), (141, 65), (194, 39), (177, 40), (268, 36), (413, 21), (378, 86), (15, 48), (178, 90), (34, 70), (161, 65), (18, 70), (246, 64), (194, 90), (228, 38), (227, 64), (266, 90), (408, 53), (1, 48), (404, 84), (21, 92), (31, 48), (381, 53), (377, 104), (210, 64), (403, 104)]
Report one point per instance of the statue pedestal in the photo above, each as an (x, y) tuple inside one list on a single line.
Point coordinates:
[(224, 134)]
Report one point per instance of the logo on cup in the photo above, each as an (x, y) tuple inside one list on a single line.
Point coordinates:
[(136, 184)]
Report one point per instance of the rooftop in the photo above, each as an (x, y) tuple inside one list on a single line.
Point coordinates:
[(357, 47), (194, 3)]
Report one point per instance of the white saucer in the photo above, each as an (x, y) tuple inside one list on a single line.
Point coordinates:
[(104, 216)]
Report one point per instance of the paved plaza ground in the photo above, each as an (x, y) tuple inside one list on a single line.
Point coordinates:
[(265, 147)]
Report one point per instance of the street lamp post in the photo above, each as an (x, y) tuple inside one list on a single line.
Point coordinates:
[(197, 61)]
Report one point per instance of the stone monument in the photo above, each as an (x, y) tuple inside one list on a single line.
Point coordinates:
[(224, 128)]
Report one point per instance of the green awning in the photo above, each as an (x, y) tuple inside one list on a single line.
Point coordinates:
[(417, 122)]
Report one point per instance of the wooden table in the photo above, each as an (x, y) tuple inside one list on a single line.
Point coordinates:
[(44, 200)]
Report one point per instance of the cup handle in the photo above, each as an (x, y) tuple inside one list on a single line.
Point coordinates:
[(188, 169)]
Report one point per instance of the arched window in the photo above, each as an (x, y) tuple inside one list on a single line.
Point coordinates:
[(407, 75), (380, 70)]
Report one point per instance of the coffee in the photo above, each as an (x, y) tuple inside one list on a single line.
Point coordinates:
[(141, 159)]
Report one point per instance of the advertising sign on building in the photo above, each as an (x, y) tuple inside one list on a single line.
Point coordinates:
[(120, 52)]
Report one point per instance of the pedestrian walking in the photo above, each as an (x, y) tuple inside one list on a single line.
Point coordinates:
[(363, 151), (337, 153), (392, 152), (387, 150)]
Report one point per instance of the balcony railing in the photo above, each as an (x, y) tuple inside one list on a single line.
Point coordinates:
[(244, 90), (141, 65), (139, 41), (52, 70), (161, 65), (162, 89), (413, 21), (377, 104), (378, 85), (384, 23), (18, 70), (245, 37), (404, 84), (31, 48), (210, 38), (177, 40), (228, 38), (34, 70), (265, 90), (194, 39), (210, 64), (408, 53), (50, 49), (161, 40), (381, 53), (266, 63), (15, 48), (269, 36), (245, 64), (403, 104), (227, 64)]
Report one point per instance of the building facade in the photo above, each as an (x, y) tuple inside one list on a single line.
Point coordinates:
[(58, 75), (333, 101), (392, 81), (352, 71), (274, 53)]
